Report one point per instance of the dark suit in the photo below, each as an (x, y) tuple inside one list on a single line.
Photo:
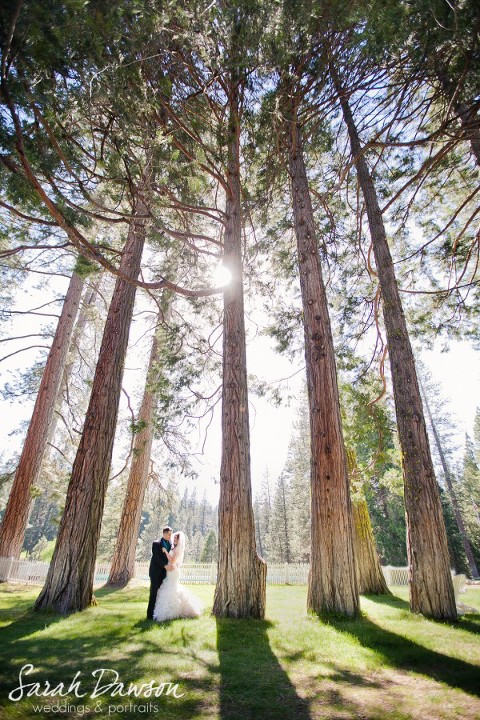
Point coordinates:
[(157, 571)]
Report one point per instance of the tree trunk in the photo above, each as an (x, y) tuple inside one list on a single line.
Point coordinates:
[(123, 562), (471, 126), (88, 299), (241, 583), (332, 582), (369, 571), (453, 496), (467, 113), (14, 523), (431, 587), (259, 534), (69, 583), (370, 575)]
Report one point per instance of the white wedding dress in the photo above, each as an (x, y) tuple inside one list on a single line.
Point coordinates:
[(174, 600)]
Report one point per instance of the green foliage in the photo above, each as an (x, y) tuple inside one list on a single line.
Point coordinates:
[(197, 518), (467, 487), (458, 560), (209, 552), (281, 533), (85, 267), (282, 512), (138, 426)]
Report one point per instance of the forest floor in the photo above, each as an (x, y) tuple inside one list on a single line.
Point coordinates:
[(389, 664)]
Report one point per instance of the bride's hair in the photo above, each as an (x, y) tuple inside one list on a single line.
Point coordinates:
[(180, 546)]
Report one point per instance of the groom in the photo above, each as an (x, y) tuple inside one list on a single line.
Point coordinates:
[(157, 570)]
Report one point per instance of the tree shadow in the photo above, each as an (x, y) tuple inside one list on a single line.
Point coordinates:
[(145, 624), (24, 622), (470, 624), (405, 654), (105, 590), (252, 682), (130, 589), (137, 657), (392, 600)]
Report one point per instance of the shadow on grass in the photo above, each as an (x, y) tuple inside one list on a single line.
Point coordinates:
[(130, 590), (402, 653), (105, 590), (124, 648), (392, 600), (470, 623), (252, 682), (21, 621)]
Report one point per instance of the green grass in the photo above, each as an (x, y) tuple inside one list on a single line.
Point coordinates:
[(388, 664)]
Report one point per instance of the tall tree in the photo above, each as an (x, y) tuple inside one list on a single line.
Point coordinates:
[(280, 530), (69, 583), (15, 518), (241, 581), (468, 487), (123, 563), (210, 549), (263, 511), (332, 585), (431, 587), (90, 295)]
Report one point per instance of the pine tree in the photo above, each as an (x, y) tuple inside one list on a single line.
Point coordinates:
[(458, 533), (426, 536), (241, 580), (297, 470), (69, 583), (15, 518), (468, 488), (123, 562), (209, 551), (278, 541), (332, 578)]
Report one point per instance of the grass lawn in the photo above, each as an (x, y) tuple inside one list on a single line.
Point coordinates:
[(390, 664)]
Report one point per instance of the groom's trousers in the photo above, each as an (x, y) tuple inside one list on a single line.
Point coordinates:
[(155, 583)]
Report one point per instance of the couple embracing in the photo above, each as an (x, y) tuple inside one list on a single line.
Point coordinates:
[(168, 598)]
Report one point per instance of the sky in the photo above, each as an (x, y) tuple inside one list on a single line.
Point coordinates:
[(457, 371)]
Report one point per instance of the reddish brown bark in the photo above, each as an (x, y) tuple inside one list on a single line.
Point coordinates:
[(431, 587), (69, 583), (89, 296), (332, 583), (241, 581), (123, 561), (14, 523)]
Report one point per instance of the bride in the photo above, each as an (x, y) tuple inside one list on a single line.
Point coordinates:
[(173, 599)]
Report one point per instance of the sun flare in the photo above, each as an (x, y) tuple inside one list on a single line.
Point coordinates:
[(221, 276)]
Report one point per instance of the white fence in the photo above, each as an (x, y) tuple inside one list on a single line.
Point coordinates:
[(34, 573)]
